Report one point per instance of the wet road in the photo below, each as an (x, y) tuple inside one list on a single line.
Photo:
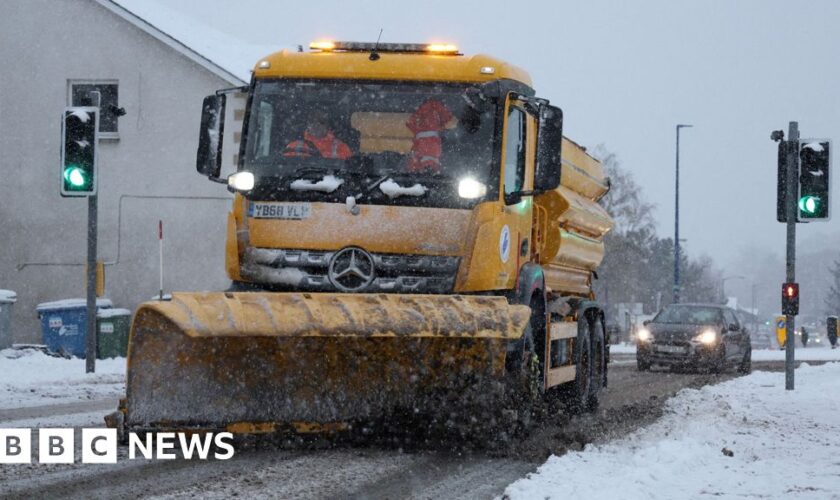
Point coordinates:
[(632, 400)]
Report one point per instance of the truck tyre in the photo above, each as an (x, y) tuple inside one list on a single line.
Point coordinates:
[(580, 390), (524, 368), (598, 359)]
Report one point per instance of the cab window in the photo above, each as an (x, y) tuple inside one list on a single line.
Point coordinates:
[(515, 150)]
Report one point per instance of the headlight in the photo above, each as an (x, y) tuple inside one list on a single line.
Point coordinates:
[(644, 335), (707, 337), (241, 181), (471, 188)]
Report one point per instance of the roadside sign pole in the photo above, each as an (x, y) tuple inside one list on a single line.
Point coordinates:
[(791, 197), (160, 245), (90, 334)]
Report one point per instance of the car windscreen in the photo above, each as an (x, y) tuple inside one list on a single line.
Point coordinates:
[(691, 315)]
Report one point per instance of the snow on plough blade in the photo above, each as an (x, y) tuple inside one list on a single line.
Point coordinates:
[(263, 361)]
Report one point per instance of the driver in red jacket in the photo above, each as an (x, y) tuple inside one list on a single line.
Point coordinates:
[(318, 140)]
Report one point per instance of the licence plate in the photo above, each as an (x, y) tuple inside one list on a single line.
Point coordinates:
[(670, 348), (274, 210)]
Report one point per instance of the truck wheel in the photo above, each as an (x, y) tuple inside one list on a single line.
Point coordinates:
[(581, 387), (524, 368), (598, 372)]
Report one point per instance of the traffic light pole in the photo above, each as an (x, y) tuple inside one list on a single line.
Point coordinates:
[(790, 208), (90, 334)]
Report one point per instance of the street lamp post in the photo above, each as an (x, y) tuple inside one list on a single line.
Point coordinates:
[(677, 221)]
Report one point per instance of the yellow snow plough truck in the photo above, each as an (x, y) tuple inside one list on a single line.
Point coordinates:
[(411, 234)]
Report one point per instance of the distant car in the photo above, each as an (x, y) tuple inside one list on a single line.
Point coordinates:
[(702, 336)]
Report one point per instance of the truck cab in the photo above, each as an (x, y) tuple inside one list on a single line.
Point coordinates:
[(421, 171)]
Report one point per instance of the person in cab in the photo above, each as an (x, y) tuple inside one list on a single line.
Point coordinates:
[(318, 140)]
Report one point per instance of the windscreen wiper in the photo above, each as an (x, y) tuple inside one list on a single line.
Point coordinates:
[(351, 200), (311, 170)]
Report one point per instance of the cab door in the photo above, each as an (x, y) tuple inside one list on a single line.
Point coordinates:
[(517, 175)]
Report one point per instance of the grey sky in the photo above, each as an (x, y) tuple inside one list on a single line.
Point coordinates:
[(625, 73)]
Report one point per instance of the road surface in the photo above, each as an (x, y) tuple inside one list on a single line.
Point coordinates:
[(633, 399)]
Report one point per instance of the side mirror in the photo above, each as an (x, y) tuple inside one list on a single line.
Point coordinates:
[(209, 156), (549, 146), (646, 322), (733, 327)]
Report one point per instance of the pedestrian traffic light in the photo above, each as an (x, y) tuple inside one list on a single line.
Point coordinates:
[(79, 138), (814, 180), (790, 299)]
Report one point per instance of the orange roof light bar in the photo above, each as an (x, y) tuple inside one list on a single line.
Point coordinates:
[(325, 45), (442, 48), (410, 48)]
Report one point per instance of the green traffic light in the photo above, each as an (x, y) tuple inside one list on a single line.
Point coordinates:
[(808, 204), (75, 176)]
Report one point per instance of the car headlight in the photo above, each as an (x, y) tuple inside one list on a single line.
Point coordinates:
[(241, 181), (707, 337), (470, 188), (644, 335)]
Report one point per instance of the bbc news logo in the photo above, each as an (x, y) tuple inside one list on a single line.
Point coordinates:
[(99, 446)]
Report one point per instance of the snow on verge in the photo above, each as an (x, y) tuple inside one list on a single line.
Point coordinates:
[(802, 353), (784, 444), (31, 378)]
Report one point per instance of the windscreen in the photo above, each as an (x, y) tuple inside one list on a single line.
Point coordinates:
[(691, 315), (355, 134)]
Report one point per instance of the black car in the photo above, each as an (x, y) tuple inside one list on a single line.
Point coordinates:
[(703, 336)]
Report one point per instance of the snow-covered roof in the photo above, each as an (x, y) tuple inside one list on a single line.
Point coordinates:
[(7, 296), (224, 55), (71, 303)]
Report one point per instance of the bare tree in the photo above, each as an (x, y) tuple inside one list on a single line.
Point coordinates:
[(638, 265)]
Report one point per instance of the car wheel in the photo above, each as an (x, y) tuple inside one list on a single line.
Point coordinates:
[(719, 364), (746, 363), (642, 366)]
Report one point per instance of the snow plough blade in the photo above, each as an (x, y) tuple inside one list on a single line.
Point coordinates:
[(262, 361)]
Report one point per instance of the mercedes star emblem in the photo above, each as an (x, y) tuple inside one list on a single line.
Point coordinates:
[(351, 269)]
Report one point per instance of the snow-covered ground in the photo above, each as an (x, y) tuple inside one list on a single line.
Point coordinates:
[(623, 349), (31, 378), (745, 438), (801, 354)]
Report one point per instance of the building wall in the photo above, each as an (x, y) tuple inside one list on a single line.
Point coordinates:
[(43, 44)]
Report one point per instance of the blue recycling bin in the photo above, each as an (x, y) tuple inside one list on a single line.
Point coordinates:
[(64, 323)]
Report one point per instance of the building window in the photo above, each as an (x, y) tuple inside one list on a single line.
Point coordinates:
[(87, 93)]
